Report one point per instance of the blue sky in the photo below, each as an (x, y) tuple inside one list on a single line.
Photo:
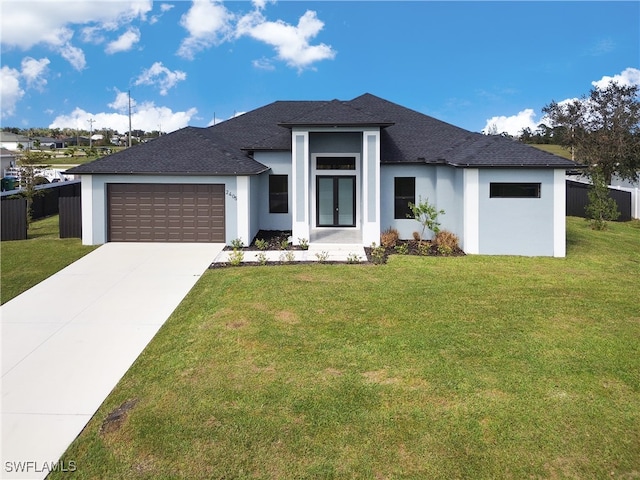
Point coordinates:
[(185, 63)]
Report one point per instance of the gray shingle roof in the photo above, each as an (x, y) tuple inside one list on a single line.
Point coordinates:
[(407, 137), (337, 113), (189, 151)]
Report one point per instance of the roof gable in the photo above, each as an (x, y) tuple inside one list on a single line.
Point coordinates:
[(337, 113), (190, 151)]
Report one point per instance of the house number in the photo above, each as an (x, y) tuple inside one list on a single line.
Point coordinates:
[(231, 194)]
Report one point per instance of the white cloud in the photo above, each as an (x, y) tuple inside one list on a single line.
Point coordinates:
[(33, 72), (628, 77), (290, 42), (73, 55), (10, 91), (164, 7), (145, 116), (28, 23), (161, 76), (124, 42), (263, 64), (513, 124), (122, 102), (208, 23)]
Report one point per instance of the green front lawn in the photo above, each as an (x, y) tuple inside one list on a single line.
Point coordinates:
[(24, 263), (429, 368)]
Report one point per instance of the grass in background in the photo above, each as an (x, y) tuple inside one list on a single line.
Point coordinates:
[(24, 263), (466, 367), (555, 149)]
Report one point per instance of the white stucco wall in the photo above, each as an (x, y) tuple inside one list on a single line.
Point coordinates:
[(440, 185), (520, 226), (493, 226), (280, 164)]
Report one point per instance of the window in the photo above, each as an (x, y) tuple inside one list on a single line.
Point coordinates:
[(514, 190), (278, 194), (335, 163), (404, 193)]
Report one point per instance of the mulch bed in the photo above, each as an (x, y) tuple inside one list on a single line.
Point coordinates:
[(277, 239), (409, 247)]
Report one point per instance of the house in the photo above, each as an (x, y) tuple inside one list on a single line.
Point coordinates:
[(7, 161), (330, 171), (12, 141), (48, 143)]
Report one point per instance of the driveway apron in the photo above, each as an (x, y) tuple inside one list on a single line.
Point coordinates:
[(68, 341)]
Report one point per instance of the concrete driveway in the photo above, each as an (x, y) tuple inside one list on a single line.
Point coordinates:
[(67, 342)]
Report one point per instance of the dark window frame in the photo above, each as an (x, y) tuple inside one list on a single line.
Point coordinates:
[(278, 193), (404, 192), (515, 189), (346, 162)]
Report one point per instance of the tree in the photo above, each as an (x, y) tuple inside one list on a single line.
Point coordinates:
[(426, 215), (601, 207), (28, 162), (602, 130)]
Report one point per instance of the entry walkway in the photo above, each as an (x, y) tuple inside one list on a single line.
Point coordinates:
[(67, 342)]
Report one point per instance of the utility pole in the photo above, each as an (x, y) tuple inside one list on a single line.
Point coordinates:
[(129, 117), (91, 121)]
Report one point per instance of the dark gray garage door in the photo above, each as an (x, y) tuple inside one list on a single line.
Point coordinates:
[(166, 213)]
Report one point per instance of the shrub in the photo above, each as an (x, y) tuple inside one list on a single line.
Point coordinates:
[(446, 242), (236, 257), (353, 258), (402, 249), (322, 256), (284, 244), (262, 258), (378, 254), (426, 214), (262, 244), (389, 237), (423, 249), (237, 243), (416, 236), (288, 257), (304, 243)]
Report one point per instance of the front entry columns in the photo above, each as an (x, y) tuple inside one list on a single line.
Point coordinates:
[(300, 185), (368, 201), (371, 186)]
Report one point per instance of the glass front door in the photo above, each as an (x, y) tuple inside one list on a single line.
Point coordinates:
[(336, 201)]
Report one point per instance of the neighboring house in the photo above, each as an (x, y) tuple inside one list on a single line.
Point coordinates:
[(7, 160), (12, 141), (49, 143), (329, 171)]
